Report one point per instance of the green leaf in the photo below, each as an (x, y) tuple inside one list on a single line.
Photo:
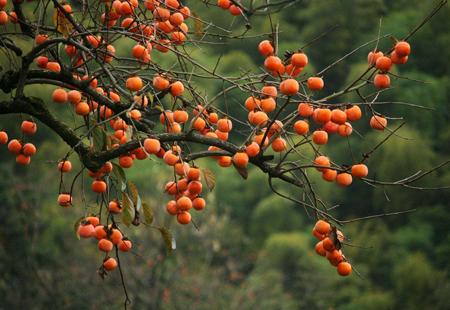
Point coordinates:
[(100, 138), (119, 173), (148, 213), (127, 210), (134, 192), (210, 178), (75, 226), (168, 239)]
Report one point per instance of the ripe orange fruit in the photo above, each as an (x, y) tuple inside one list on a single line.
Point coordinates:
[(161, 14), (330, 127), (252, 149), (329, 175), (272, 63), (125, 245), (134, 83), (224, 125), (344, 269), (171, 207), (322, 161), (224, 161), (100, 232), (180, 116), (224, 4), (176, 19), (328, 244), (115, 236), (14, 146), (138, 51), (299, 60), (382, 81), (354, 113), (289, 87), (235, 10), (268, 104), (23, 159), (160, 83), (3, 137), (29, 127), (338, 116), (105, 245), (170, 158), (378, 122), (86, 230), (182, 169), (322, 115), (98, 186), (345, 130), (40, 38), (193, 174), (64, 200), (74, 96), (152, 146), (53, 66), (110, 264), (305, 109), (301, 127), (265, 48), (184, 203), (279, 145), (29, 149), (199, 203), (59, 95), (315, 83), (360, 171), (240, 159), (42, 61), (259, 118), (373, 57), (195, 187), (397, 59), (322, 227), (334, 257), (402, 49), (269, 90), (184, 218), (82, 108), (125, 161), (178, 37), (293, 71), (114, 207), (319, 249), (176, 88), (173, 4), (344, 179), (320, 137), (383, 63), (199, 124)]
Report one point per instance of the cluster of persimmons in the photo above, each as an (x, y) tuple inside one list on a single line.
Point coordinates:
[(313, 121)]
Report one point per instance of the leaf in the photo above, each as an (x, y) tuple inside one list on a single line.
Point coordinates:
[(210, 178), (119, 173), (75, 226), (61, 23), (127, 216), (148, 213), (169, 240), (99, 136), (134, 192), (242, 171)]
